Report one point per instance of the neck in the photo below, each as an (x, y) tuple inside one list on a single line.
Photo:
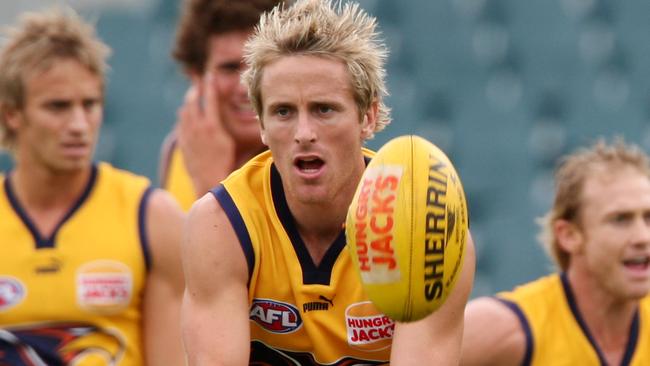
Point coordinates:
[(319, 223), (43, 189), (608, 318)]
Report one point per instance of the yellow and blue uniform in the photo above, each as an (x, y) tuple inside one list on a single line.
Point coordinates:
[(556, 333), (176, 179), (300, 313), (75, 297)]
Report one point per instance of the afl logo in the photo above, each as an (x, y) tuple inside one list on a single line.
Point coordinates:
[(12, 292), (275, 316)]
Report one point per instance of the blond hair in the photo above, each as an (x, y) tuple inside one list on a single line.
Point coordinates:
[(34, 44), (326, 29), (570, 177)]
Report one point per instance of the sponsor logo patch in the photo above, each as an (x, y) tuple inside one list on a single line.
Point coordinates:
[(104, 286), (275, 316), (314, 305), (12, 292), (51, 265), (368, 328)]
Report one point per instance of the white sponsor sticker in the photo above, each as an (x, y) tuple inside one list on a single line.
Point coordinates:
[(104, 286), (367, 328)]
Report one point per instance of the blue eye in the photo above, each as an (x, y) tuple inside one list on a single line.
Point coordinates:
[(324, 109)]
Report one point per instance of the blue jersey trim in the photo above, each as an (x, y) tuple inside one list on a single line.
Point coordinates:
[(142, 227), (634, 328), (632, 341), (311, 274), (238, 224), (530, 344), (39, 240), (166, 161), (578, 317)]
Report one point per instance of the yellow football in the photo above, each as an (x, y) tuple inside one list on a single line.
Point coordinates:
[(407, 228)]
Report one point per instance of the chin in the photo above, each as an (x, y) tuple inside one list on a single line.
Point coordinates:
[(312, 195), (72, 166), (632, 290)]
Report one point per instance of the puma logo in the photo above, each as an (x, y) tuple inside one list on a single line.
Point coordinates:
[(321, 297)]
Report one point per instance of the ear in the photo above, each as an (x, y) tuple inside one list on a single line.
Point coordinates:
[(263, 133), (569, 236), (369, 121), (12, 117)]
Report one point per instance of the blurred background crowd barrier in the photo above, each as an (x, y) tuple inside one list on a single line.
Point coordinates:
[(504, 87)]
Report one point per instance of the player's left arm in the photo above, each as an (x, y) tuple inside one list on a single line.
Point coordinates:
[(436, 339), (164, 288)]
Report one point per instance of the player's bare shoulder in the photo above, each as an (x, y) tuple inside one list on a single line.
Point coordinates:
[(206, 221), (506, 343), (211, 244)]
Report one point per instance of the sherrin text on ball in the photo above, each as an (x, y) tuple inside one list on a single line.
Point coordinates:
[(407, 228)]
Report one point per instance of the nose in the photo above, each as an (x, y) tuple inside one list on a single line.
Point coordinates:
[(241, 88), (641, 232), (304, 131), (79, 119)]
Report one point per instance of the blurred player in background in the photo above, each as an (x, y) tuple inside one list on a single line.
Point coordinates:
[(217, 129), (596, 310), (89, 271), (269, 278)]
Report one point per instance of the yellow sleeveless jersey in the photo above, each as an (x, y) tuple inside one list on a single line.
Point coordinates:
[(177, 180), (300, 314), (556, 333), (74, 298)]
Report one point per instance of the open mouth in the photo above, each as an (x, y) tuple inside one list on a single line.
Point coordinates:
[(309, 165), (637, 263)]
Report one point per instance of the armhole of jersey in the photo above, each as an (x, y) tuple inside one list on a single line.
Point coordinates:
[(142, 227), (528, 355), (238, 224), (166, 155)]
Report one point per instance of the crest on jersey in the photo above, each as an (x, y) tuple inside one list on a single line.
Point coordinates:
[(275, 316), (59, 345), (12, 292)]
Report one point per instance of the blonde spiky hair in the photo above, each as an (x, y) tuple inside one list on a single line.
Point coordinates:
[(322, 28)]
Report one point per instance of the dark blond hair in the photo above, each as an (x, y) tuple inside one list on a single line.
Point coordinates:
[(326, 29), (34, 44), (570, 177)]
